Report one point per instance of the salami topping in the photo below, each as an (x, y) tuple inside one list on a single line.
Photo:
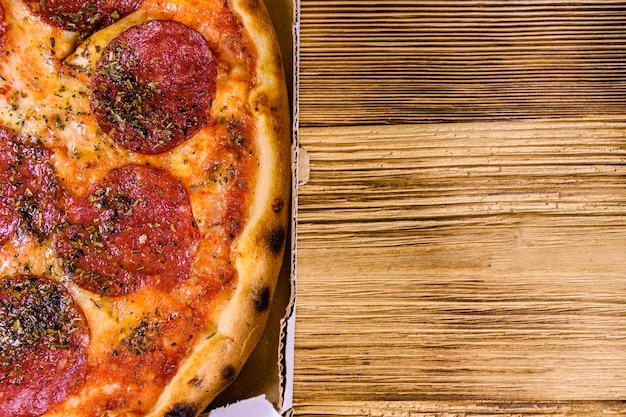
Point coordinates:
[(82, 15), (3, 29), (43, 342), (153, 86), (28, 188), (134, 228)]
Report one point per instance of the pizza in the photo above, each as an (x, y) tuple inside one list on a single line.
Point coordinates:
[(144, 201)]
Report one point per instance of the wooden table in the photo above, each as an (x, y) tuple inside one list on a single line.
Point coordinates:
[(462, 208)]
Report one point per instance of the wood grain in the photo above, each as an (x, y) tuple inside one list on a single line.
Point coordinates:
[(405, 61), (461, 409), (444, 266), (467, 269)]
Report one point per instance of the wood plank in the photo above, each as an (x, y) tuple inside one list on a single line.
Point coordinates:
[(459, 409), (402, 61), (470, 261)]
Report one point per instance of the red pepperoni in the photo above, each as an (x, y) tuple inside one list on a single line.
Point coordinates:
[(113, 10), (43, 343), (3, 29), (134, 228), (153, 86), (9, 216), (28, 188), (82, 15)]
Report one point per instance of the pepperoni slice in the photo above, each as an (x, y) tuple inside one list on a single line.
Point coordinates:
[(43, 343), (3, 29), (9, 216), (28, 188), (134, 228), (153, 86), (82, 15)]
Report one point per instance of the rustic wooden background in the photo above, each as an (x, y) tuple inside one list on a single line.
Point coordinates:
[(462, 208)]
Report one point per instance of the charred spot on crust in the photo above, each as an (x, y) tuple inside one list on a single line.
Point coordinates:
[(275, 240), (229, 373), (181, 410), (262, 299), (278, 205), (196, 382)]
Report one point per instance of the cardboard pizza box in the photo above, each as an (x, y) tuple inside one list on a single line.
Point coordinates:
[(264, 388)]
